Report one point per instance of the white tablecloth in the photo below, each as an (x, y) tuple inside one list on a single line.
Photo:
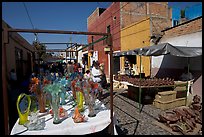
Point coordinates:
[(68, 127)]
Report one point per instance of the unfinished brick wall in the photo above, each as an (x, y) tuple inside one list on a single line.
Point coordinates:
[(159, 24), (158, 9), (136, 11), (132, 12), (186, 28)]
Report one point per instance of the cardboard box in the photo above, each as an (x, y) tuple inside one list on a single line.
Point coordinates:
[(169, 104), (166, 96)]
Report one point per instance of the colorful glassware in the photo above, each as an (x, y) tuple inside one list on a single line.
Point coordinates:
[(23, 117)]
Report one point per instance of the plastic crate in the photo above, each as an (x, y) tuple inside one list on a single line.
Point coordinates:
[(166, 96), (169, 104)]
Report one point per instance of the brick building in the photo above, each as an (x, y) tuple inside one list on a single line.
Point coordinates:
[(104, 20), (121, 15)]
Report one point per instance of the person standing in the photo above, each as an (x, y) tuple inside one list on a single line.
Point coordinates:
[(103, 76), (76, 66), (83, 66), (70, 67), (185, 76), (126, 66), (96, 73)]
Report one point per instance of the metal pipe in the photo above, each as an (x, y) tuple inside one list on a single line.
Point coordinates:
[(4, 82), (55, 50), (57, 43), (111, 84), (90, 44), (140, 89), (66, 56), (76, 54), (56, 32)]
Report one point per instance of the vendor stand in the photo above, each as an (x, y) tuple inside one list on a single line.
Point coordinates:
[(140, 87), (5, 42), (162, 49), (67, 126)]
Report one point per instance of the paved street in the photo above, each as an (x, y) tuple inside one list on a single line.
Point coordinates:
[(130, 121)]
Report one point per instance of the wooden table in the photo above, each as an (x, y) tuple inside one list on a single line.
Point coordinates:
[(142, 87)]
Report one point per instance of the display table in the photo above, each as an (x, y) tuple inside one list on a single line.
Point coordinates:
[(142, 87), (67, 126)]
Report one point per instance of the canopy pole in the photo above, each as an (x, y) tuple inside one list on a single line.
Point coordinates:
[(187, 89), (5, 43), (188, 66), (111, 84), (140, 89)]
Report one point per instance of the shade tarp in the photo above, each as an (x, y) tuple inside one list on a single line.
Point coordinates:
[(164, 49)]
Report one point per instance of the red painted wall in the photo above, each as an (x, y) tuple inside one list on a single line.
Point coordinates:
[(100, 25)]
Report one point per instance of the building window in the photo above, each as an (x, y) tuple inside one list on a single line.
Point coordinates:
[(175, 22), (92, 40), (108, 29)]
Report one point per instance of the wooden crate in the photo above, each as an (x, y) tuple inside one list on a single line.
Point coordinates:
[(169, 104), (181, 89), (166, 96)]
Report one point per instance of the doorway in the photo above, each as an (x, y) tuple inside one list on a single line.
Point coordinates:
[(116, 66)]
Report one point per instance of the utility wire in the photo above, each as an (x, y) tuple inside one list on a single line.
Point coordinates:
[(28, 15), (36, 36)]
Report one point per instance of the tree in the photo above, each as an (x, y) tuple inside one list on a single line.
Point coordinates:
[(41, 50)]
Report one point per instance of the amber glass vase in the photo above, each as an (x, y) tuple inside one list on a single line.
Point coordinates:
[(41, 102)]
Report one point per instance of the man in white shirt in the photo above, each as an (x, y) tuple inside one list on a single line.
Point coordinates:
[(96, 73)]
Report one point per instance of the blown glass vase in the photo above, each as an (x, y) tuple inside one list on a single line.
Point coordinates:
[(55, 108), (91, 104), (23, 117), (41, 102), (63, 96), (80, 100)]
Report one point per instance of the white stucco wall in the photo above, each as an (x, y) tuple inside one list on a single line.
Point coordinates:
[(80, 55), (189, 40), (168, 63)]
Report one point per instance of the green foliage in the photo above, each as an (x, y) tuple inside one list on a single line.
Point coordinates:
[(41, 49)]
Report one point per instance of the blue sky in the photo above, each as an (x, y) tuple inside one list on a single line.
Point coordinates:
[(70, 16)]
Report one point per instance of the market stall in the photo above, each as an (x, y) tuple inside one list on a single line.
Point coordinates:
[(162, 49), (68, 126), (101, 125)]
